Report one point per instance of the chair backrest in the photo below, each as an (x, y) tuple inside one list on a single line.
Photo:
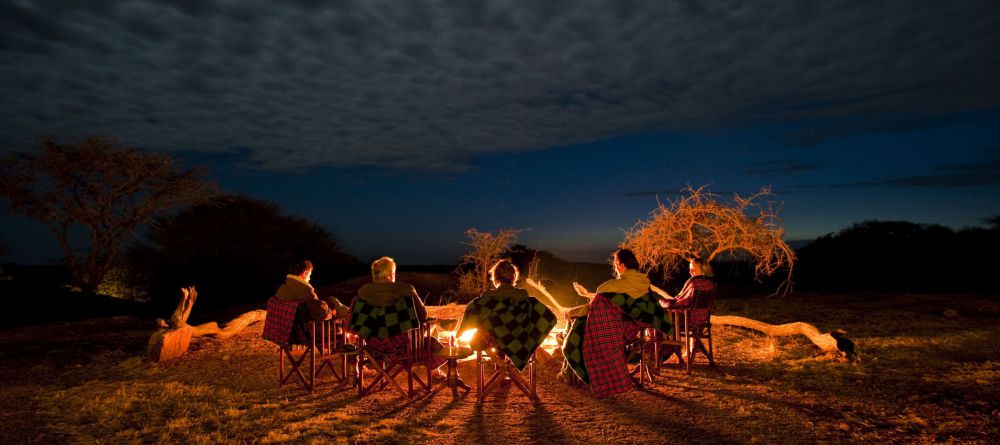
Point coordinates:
[(369, 320), (704, 294), (282, 320)]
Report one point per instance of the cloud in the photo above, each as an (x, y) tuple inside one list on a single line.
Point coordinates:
[(779, 167), (432, 85), (985, 173)]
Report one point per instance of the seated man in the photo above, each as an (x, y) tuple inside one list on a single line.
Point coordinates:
[(515, 337), (295, 304), (594, 347), (385, 292)]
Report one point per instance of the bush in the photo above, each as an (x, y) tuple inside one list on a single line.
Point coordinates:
[(235, 250)]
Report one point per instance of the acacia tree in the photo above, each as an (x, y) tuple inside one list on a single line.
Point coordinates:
[(702, 225), (485, 249), (95, 193)]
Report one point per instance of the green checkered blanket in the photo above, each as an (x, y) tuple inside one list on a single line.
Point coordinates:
[(517, 327), (645, 311), (369, 321)]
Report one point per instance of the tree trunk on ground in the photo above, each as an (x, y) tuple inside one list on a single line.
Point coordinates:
[(232, 328), (174, 337), (824, 341)]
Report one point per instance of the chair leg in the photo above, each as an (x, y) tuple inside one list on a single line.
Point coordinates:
[(479, 377), (281, 366), (531, 381), (711, 351)]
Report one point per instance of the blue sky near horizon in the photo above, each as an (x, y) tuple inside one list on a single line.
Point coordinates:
[(398, 125)]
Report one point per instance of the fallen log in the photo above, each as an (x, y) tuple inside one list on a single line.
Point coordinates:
[(231, 328), (824, 341), (173, 338)]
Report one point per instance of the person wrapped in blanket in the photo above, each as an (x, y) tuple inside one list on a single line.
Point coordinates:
[(698, 294), (505, 320), (385, 292), (594, 347), (295, 304)]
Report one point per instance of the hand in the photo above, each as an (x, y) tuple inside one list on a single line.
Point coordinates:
[(580, 290)]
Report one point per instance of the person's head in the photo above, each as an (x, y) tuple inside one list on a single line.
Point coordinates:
[(301, 268), (384, 269), (699, 266), (503, 272), (622, 260)]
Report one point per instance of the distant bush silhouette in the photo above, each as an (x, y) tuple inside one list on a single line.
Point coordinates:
[(235, 249), (900, 256)]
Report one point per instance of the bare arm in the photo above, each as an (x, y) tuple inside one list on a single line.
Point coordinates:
[(582, 291)]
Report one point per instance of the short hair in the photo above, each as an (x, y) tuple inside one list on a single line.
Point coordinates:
[(504, 271), (299, 266), (627, 258), (383, 268), (702, 267)]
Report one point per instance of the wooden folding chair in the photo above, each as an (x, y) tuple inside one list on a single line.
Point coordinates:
[(387, 367), (323, 345), (503, 369), (686, 340)]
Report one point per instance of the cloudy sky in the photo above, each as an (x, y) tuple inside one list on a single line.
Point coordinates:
[(399, 124)]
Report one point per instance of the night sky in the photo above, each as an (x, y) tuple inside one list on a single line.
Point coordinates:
[(398, 125)]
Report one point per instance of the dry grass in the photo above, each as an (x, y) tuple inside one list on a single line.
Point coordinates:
[(925, 378)]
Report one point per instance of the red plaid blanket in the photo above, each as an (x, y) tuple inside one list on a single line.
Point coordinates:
[(698, 294), (280, 321), (604, 341)]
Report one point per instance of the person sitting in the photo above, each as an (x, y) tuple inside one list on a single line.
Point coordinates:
[(385, 292), (698, 294), (297, 288), (295, 304), (628, 280), (595, 343), (518, 337)]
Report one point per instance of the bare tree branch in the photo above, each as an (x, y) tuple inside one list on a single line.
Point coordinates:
[(701, 225), (101, 187)]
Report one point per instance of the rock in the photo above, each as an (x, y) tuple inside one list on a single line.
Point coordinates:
[(167, 344), (950, 313)]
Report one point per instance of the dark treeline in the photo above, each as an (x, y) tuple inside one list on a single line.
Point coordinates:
[(899, 256)]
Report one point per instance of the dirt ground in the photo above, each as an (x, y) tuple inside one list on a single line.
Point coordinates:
[(925, 377)]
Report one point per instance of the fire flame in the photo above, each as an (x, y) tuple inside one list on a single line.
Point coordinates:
[(467, 335)]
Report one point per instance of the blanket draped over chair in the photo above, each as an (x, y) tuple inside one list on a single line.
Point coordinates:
[(385, 328), (595, 345), (283, 324), (517, 328)]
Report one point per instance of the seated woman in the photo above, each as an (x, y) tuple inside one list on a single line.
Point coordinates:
[(399, 298), (698, 294), (515, 337), (594, 348)]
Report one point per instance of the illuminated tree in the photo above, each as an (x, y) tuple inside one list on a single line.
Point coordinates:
[(702, 225), (92, 195), (485, 250)]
